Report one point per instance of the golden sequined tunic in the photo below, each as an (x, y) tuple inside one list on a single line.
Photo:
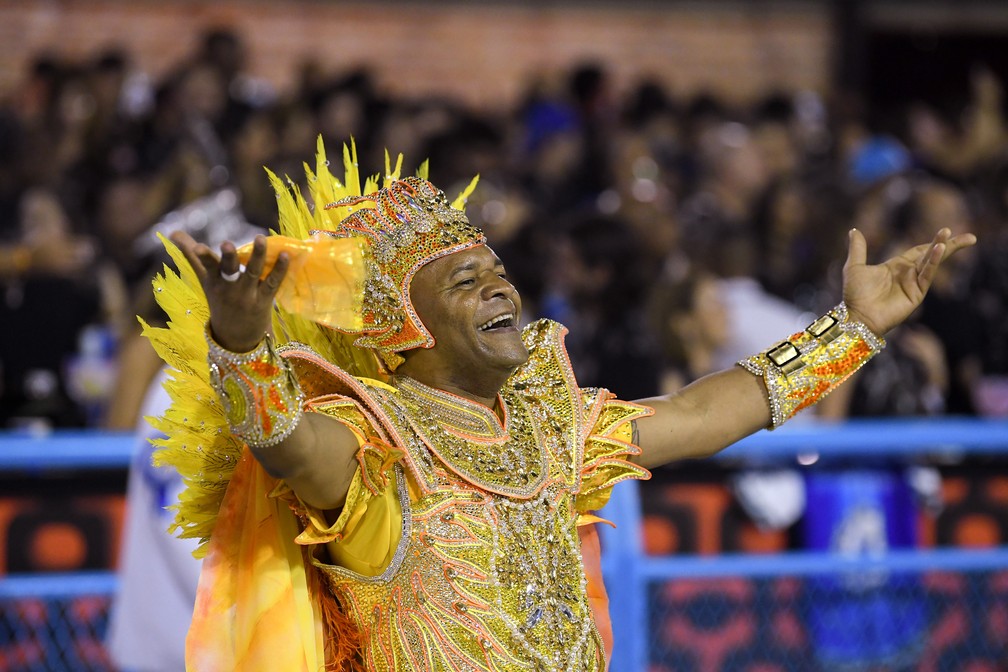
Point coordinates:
[(458, 547)]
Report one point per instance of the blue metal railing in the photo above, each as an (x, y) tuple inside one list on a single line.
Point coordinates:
[(57, 586), (870, 437), (815, 563), (84, 449), (80, 450)]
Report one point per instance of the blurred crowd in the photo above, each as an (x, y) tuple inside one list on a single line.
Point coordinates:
[(672, 236)]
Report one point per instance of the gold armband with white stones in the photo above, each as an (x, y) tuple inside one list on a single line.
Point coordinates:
[(806, 367), (262, 399)]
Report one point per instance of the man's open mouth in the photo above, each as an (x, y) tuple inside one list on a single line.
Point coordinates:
[(499, 322)]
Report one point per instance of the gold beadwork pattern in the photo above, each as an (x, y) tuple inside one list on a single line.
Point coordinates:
[(485, 581), (467, 437), (803, 369), (262, 399), (538, 569), (375, 456)]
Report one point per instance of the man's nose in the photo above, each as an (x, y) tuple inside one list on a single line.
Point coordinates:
[(497, 286)]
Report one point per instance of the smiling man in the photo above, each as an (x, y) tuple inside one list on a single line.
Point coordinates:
[(472, 312), (443, 498)]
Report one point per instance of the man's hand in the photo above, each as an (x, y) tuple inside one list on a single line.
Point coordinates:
[(883, 295), (240, 302)]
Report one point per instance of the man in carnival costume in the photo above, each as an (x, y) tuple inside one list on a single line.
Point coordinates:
[(387, 473)]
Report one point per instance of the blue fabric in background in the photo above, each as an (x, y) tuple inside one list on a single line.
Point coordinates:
[(863, 618)]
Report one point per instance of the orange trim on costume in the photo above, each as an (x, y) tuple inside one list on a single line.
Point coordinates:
[(598, 598)]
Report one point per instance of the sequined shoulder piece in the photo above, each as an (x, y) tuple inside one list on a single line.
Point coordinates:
[(374, 399), (609, 448), (320, 378)]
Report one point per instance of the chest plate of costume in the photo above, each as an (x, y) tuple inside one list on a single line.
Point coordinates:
[(489, 573), (469, 439)]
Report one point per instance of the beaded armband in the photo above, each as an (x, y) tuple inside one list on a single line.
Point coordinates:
[(806, 367), (262, 399)]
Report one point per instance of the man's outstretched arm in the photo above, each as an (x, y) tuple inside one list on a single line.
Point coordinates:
[(717, 410)]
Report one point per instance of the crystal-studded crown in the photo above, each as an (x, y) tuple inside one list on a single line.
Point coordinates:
[(409, 223)]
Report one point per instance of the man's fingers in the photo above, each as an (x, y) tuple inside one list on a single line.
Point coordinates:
[(931, 259), (230, 267), (949, 245), (941, 237), (924, 257), (193, 252), (182, 239), (957, 243), (254, 266), (277, 274), (857, 250)]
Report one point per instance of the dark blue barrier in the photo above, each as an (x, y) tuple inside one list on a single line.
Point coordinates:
[(891, 438), (876, 438), (77, 450), (57, 586), (55, 622)]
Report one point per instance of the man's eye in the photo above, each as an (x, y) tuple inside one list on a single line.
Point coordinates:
[(467, 282)]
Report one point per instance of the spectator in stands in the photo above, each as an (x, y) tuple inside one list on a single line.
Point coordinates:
[(799, 228), (731, 175), (949, 313), (959, 140), (989, 290), (588, 282), (647, 182), (52, 288), (689, 318)]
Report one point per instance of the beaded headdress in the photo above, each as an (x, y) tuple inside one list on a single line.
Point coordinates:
[(409, 223), (352, 260)]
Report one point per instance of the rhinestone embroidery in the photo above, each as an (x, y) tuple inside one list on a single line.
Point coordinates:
[(467, 437), (533, 571), (409, 223), (261, 397)]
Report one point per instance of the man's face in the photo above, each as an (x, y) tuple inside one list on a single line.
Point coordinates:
[(472, 311)]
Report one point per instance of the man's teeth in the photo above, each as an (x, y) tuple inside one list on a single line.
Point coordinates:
[(497, 321)]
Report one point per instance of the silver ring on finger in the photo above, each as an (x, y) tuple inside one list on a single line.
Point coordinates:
[(230, 277)]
